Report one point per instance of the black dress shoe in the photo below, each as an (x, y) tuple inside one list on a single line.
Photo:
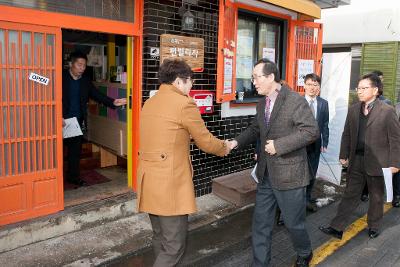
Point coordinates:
[(331, 231), (78, 182), (396, 202), (373, 233), (312, 200), (280, 222), (303, 261), (311, 207), (364, 198)]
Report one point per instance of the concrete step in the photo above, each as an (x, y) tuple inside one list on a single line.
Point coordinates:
[(206, 245), (90, 162), (70, 220), (238, 188), (106, 242)]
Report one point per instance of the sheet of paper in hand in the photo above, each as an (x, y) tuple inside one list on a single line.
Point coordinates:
[(388, 176), (253, 174), (71, 128)]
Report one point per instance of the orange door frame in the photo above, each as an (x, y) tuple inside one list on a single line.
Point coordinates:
[(259, 10), (272, 14), (60, 20), (36, 201), (292, 60)]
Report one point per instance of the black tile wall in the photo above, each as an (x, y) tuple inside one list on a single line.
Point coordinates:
[(161, 16)]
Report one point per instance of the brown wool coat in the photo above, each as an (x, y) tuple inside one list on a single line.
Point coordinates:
[(382, 138), (168, 121)]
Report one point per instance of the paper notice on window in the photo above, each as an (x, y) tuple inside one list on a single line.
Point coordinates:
[(269, 53), (71, 128), (228, 73), (388, 176), (254, 175), (304, 67)]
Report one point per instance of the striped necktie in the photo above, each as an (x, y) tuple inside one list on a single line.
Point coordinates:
[(267, 112), (312, 107)]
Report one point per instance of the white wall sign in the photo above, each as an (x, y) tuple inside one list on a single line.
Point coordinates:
[(39, 79), (304, 67), (154, 52), (228, 71), (335, 89)]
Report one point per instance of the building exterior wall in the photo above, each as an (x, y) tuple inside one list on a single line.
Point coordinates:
[(368, 24), (161, 16), (382, 56)]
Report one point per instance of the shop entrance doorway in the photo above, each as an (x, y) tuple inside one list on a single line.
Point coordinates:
[(103, 162)]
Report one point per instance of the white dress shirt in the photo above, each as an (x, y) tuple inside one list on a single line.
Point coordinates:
[(314, 104)]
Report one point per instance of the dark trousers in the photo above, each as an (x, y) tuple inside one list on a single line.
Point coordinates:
[(396, 185), (351, 198), (74, 149), (313, 162), (293, 207), (169, 239)]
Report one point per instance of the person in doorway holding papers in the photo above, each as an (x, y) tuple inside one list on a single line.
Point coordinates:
[(76, 91), (370, 142)]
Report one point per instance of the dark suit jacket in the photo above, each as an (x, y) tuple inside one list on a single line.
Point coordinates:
[(382, 138), (87, 89), (323, 125), (292, 127)]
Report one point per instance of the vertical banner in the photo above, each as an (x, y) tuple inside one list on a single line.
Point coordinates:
[(335, 89)]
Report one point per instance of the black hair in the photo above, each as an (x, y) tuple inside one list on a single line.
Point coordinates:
[(313, 77), (269, 68), (76, 55), (173, 68), (377, 72), (374, 80)]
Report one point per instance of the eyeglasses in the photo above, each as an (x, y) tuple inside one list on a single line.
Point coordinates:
[(312, 84), (253, 78), (362, 88), (190, 79)]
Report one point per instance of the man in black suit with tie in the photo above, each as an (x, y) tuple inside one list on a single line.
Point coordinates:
[(320, 110)]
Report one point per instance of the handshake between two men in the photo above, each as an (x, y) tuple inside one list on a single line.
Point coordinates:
[(232, 143)]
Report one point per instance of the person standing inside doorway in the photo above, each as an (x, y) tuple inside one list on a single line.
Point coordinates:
[(76, 91), (370, 142), (320, 110)]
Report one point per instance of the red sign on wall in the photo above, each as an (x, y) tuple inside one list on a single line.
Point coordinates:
[(204, 100)]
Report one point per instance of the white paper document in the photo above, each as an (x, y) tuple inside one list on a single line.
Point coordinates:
[(71, 128), (253, 174), (388, 176)]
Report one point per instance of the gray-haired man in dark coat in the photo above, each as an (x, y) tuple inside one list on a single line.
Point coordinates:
[(285, 125)]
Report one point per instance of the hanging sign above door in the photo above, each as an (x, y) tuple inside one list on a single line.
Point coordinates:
[(190, 49)]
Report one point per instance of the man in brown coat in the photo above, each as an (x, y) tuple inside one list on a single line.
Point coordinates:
[(370, 142), (168, 121)]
